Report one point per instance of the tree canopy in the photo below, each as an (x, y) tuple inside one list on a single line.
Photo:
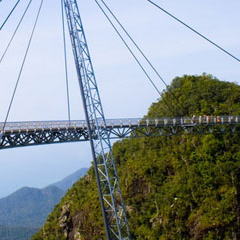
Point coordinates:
[(179, 187)]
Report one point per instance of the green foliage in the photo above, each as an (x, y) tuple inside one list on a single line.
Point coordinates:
[(82, 204), (199, 95), (185, 187)]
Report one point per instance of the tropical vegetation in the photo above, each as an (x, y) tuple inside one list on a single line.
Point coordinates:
[(175, 187)]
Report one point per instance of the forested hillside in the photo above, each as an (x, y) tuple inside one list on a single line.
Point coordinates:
[(180, 187)]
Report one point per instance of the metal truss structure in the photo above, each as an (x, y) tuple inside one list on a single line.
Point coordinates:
[(113, 210), (20, 134), (99, 131)]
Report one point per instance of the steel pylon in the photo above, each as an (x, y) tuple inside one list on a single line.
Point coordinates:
[(113, 210)]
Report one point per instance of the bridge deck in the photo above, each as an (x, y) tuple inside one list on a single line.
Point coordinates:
[(17, 134)]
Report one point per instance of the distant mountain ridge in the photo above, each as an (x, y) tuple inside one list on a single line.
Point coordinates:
[(29, 206), (68, 181), (24, 211), (16, 233)]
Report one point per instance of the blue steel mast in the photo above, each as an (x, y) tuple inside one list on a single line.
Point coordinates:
[(113, 210)]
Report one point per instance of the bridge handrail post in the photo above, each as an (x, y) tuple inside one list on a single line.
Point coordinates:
[(165, 121), (147, 122), (214, 120), (181, 120), (174, 121), (130, 123), (200, 119)]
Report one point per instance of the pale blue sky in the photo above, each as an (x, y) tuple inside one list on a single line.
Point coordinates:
[(125, 91)]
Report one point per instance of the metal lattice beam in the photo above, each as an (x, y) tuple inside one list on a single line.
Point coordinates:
[(113, 209)]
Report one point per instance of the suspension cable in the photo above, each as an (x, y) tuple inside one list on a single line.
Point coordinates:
[(129, 49), (9, 15), (2, 57), (21, 69), (148, 61), (141, 52), (136, 59), (134, 42), (195, 31), (134, 56), (65, 63)]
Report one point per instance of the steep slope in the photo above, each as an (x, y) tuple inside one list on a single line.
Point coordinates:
[(181, 187), (67, 182)]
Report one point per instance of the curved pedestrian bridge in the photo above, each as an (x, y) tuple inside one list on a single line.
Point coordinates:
[(19, 134)]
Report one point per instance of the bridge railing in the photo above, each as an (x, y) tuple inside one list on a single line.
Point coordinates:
[(127, 122), (178, 121), (18, 134), (35, 125)]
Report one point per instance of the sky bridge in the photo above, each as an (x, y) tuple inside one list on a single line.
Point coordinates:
[(20, 134), (96, 129)]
